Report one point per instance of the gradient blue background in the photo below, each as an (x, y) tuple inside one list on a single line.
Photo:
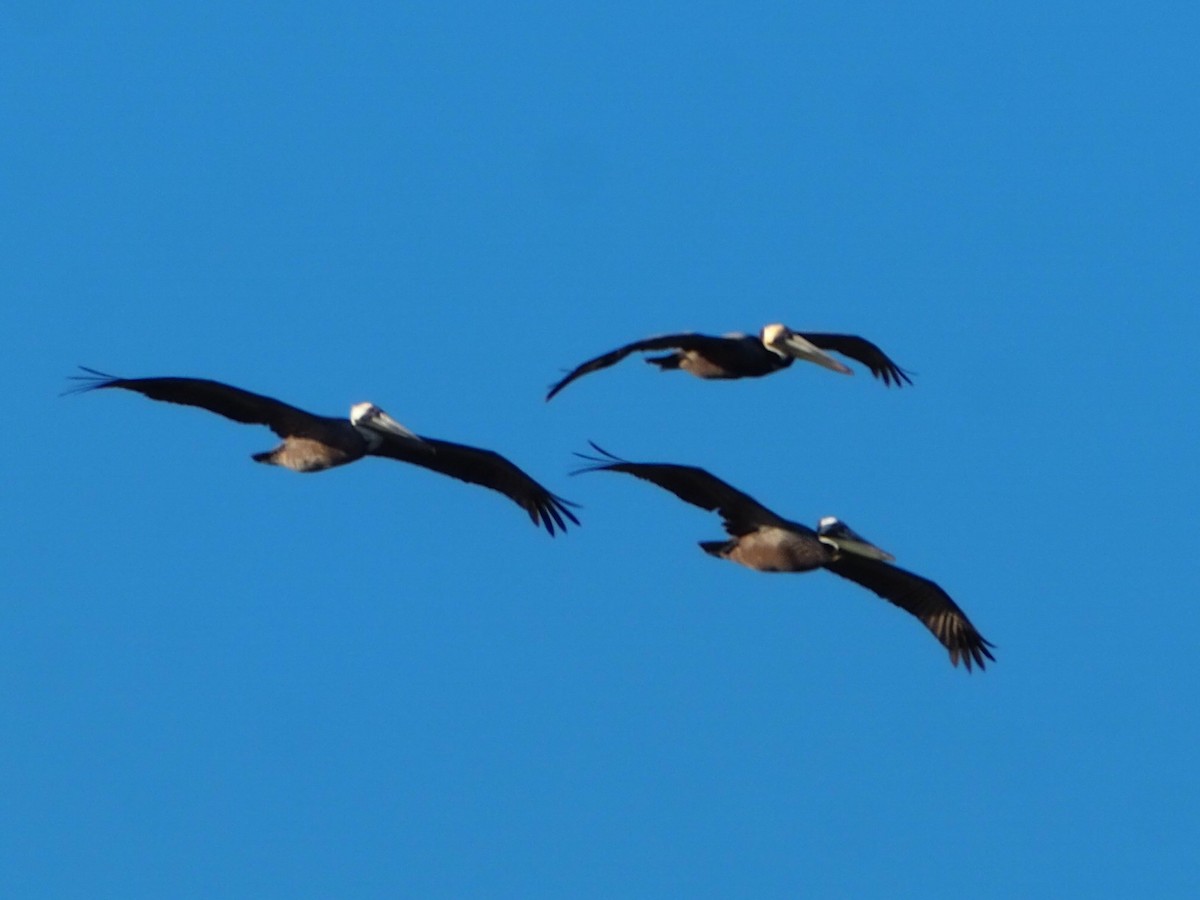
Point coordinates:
[(219, 679)]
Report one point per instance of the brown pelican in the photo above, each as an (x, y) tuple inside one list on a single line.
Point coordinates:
[(744, 356), (314, 443), (766, 542)]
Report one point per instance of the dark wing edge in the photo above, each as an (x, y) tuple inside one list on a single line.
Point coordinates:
[(741, 512), (487, 469), (867, 353), (664, 342), (216, 397), (923, 599), (89, 382)]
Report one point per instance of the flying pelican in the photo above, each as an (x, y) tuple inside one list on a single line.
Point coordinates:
[(744, 356), (314, 443), (766, 542)]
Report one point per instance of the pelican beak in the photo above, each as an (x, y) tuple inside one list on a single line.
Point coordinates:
[(385, 424), (863, 548), (794, 345), (845, 539)]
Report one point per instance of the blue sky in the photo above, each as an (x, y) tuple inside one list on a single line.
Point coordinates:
[(221, 679)]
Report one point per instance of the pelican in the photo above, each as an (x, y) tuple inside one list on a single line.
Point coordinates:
[(766, 542), (744, 356), (314, 443)]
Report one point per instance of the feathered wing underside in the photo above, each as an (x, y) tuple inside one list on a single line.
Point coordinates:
[(924, 599), (862, 350), (687, 341), (222, 399), (485, 468), (740, 512)]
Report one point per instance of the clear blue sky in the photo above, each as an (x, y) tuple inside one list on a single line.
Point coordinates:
[(220, 679)]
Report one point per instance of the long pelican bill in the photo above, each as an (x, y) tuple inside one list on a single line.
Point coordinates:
[(844, 539), (795, 345), (367, 415), (383, 422)]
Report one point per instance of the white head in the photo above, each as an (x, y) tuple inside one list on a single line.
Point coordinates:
[(362, 413), (774, 334)]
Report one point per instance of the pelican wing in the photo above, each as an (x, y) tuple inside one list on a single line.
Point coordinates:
[(741, 513), (486, 468), (222, 399), (923, 599), (665, 342), (864, 351)]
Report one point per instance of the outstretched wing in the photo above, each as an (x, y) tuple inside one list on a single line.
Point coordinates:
[(222, 399), (923, 599), (740, 512), (864, 351), (665, 342), (486, 468)]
